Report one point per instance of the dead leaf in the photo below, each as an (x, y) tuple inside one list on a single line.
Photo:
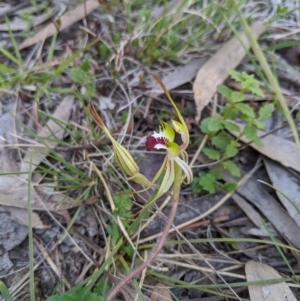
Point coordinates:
[(65, 21), (270, 208), (51, 133), (256, 194), (20, 24), (15, 198), (18, 197), (160, 293), (256, 271), (276, 148), (10, 125), (288, 184), (21, 216), (178, 77), (248, 210), (214, 71)]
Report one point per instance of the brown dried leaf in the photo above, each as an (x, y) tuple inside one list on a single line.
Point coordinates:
[(160, 293), (256, 271), (64, 22), (214, 71)]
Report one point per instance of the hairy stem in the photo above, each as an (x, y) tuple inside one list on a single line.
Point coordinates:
[(155, 252)]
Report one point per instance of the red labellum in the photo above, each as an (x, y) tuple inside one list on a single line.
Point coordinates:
[(152, 142)]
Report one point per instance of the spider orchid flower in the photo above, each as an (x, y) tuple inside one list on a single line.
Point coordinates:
[(164, 139), (122, 155), (176, 154)]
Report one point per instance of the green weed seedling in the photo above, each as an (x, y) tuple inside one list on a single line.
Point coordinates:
[(223, 146), (81, 293)]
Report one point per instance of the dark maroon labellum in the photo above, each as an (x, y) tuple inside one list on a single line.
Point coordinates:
[(151, 142)]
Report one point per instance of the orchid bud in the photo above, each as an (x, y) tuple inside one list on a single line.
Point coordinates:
[(122, 155)]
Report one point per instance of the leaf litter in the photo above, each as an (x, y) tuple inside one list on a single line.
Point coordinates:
[(225, 221)]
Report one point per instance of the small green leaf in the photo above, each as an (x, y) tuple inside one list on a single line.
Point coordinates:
[(86, 63), (266, 111), (217, 171), (221, 140), (237, 76), (229, 112), (237, 96), (208, 182), (259, 124), (251, 84), (245, 109), (230, 126), (129, 250), (196, 187), (211, 153), (78, 75), (231, 149), (225, 91), (229, 186), (258, 141), (250, 132), (232, 168), (204, 125), (215, 123)]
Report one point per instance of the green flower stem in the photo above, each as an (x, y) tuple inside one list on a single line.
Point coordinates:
[(156, 250), (271, 78)]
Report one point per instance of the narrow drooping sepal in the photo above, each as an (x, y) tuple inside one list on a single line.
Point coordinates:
[(186, 170), (168, 179)]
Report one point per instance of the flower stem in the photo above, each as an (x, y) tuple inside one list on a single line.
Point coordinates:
[(155, 252)]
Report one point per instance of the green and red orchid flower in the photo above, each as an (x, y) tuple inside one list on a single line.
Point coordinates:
[(164, 139), (176, 154)]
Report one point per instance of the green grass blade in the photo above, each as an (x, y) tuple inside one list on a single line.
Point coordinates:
[(15, 45), (30, 236), (5, 292)]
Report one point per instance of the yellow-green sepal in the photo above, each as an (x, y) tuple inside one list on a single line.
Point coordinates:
[(167, 131), (173, 149), (168, 179)]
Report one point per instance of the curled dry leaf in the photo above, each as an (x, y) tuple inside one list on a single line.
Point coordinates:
[(214, 71)]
